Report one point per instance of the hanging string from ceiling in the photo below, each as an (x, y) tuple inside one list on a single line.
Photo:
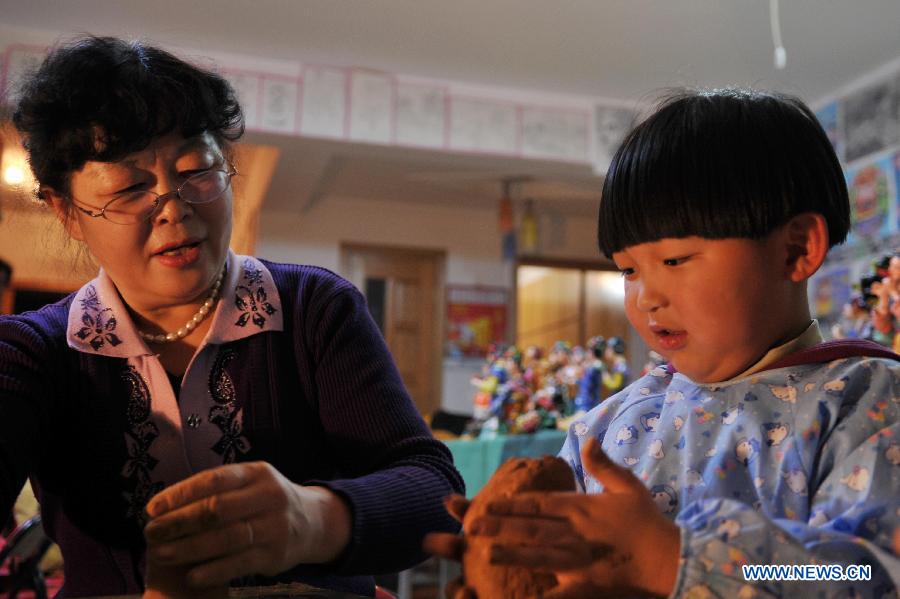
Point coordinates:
[(775, 22)]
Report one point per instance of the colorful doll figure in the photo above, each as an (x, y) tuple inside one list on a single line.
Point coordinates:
[(616, 373), (532, 368), (886, 310), (854, 322), (589, 388)]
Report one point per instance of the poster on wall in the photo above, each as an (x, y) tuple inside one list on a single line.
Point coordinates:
[(897, 185), (872, 210), (611, 125), (476, 318), (831, 290), (871, 122), (828, 118)]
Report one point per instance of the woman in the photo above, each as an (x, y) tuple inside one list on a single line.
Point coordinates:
[(254, 402)]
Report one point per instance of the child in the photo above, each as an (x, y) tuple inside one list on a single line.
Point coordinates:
[(757, 443)]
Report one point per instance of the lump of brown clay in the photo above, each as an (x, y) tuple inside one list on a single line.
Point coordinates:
[(514, 476), (170, 582)]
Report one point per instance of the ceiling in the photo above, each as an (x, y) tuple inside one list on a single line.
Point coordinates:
[(618, 50)]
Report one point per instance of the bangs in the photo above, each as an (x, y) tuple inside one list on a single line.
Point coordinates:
[(726, 164)]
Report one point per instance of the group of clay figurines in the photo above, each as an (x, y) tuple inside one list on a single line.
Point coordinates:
[(873, 312), (521, 392)]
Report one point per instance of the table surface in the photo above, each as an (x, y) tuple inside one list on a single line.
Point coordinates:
[(478, 459), (281, 591)]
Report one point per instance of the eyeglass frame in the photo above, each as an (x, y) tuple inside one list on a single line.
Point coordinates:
[(230, 173)]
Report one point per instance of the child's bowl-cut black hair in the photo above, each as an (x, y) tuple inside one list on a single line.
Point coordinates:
[(102, 98), (719, 164)]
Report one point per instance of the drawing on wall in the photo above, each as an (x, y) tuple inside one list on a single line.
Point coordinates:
[(549, 133), (371, 103), (831, 290), (482, 125), (828, 118), (247, 88), (324, 102), (279, 108), (476, 319), (19, 60), (871, 120), (897, 189), (420, 115), (871, 200), (611, 125)]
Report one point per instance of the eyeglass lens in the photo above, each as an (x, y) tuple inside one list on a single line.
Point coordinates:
[(137, 206)]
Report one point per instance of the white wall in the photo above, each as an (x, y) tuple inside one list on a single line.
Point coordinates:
[(468, 236), (38, 249)]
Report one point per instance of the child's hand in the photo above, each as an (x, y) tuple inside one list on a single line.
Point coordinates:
[(451, 546), (609, 544)]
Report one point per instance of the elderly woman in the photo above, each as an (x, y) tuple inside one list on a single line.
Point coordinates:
[(241, 418)]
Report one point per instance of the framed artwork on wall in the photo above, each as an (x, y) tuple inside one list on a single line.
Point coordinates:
[(476, 318)]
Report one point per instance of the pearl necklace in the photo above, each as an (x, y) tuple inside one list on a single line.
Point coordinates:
[(196, 319)]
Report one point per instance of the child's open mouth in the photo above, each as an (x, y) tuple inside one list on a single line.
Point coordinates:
[(669, 339)]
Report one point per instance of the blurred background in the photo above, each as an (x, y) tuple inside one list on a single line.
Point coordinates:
[(447, 157)]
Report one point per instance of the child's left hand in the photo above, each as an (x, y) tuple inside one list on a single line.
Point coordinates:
[(613, 543)]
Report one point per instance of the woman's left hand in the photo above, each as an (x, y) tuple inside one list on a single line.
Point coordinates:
[(243, 519)]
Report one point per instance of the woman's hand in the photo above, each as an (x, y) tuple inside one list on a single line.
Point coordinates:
[(612, 544), (243, 519)]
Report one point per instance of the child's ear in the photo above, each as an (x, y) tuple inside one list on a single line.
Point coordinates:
[(63, 212), (806, 244)]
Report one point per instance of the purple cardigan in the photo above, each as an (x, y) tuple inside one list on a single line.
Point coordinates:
[(322, 402)]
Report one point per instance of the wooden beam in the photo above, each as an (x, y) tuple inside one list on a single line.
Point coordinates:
[(255, 165)]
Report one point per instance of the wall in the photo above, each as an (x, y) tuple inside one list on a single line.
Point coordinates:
[(468, 235), (38, 249), (35, 244), (863, 122)]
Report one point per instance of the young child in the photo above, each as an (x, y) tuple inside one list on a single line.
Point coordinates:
[(757, 443)]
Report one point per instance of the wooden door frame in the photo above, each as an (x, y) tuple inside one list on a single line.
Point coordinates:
[(439, 256), (601, 264)]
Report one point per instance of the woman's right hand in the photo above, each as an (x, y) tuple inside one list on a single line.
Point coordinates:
[(244, 519)]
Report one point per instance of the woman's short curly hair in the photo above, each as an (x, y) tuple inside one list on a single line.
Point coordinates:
[(102, 98)]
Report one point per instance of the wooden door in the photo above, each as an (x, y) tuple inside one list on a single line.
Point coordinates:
[(403, 288)]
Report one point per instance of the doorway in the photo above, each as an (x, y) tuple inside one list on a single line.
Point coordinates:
[(559, 301), (402, 288)]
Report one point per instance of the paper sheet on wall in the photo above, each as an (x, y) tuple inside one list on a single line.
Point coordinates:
[(611, 124), (828, 116), (247, 88), (548, 133), (279, 107), (324, 102), (483, 126), (872, 119), (19, 61), (420, 115), (371, 105)]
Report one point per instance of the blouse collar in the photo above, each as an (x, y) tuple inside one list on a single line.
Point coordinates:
[(249, 303)]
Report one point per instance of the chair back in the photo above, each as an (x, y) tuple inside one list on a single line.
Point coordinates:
[(20, 560), (26, 541)]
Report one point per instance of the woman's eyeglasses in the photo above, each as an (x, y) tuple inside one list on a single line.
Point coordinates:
[(138, 206)]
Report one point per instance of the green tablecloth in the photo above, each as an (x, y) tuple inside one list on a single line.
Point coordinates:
[(478, 459)]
